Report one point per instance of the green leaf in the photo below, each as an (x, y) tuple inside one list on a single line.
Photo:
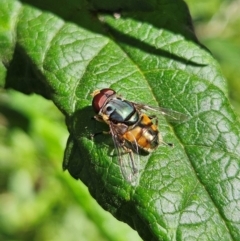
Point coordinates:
[(148, 53)]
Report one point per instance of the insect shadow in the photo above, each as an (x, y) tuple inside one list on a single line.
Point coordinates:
[(83, 124)]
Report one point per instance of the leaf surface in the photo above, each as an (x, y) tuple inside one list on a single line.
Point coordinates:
[(148, 54)]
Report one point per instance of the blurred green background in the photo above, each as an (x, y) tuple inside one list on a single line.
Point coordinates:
[(217, 24), (38, 201)]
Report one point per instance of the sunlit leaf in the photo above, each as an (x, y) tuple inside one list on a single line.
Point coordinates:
[(148, 53)]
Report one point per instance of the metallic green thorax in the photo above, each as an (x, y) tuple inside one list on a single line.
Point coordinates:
[(121, 111)]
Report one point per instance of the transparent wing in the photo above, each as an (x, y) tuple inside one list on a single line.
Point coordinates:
[(171, 115), (127, 155)]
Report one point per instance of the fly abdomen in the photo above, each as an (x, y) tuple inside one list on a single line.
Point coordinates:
[(146, 138)]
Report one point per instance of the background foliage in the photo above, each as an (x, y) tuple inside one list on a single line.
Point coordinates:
[(32, 184)]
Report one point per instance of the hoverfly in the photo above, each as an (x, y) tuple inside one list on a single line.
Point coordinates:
[(132, 130)]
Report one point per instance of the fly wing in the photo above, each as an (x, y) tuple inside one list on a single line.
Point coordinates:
[(171, 115), (127, 155)]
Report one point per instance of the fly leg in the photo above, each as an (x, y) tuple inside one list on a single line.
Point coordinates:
[(130, 152), (100, 133), (130, 176), (99, 118)]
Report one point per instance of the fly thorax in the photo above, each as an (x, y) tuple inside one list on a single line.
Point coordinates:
[(121, 111)]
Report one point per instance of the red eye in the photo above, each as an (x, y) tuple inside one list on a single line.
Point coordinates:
[(100, 97)]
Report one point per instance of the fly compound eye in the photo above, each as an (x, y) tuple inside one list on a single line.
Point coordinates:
[(100, 98)]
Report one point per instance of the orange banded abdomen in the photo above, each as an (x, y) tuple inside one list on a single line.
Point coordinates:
[(145, 134)]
